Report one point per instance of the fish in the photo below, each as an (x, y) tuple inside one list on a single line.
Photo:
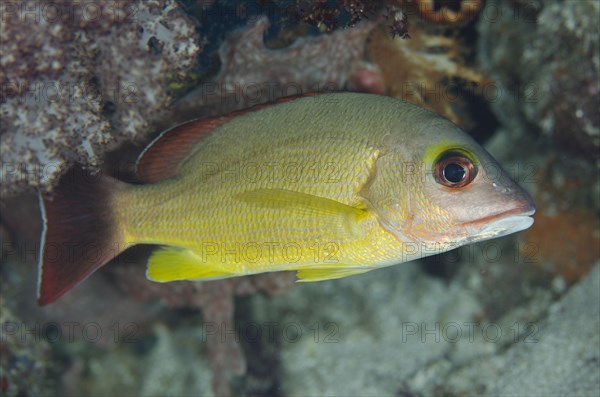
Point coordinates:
[(328, 186)]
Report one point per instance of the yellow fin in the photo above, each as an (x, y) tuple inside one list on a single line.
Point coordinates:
[(302, 202), (320, 274), (171, 264)]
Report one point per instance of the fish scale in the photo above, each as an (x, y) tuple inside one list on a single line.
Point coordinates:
[(329, 186), (215, 216)]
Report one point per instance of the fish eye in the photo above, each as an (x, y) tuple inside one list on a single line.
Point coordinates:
[(454, 170)]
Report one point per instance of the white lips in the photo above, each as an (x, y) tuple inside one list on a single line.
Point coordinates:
[(504, 226), (508, 225)]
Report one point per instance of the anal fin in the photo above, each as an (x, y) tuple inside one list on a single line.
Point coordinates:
[(320, 274), (172, 264)]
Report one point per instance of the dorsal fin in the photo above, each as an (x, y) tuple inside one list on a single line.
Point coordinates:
[(164, 156)]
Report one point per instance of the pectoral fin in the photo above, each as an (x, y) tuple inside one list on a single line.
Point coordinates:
[(320, 274), (301, 202), (172, 264)]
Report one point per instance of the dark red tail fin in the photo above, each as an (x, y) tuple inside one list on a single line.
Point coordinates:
[(79, 234)]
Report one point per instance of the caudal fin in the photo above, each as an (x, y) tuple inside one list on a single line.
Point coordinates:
[(79, 234)]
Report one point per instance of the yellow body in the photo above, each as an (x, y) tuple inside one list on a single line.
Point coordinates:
[(303, 150), (328, 186), (316, 185)]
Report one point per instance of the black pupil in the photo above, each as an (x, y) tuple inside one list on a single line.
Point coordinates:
[(454, 173)]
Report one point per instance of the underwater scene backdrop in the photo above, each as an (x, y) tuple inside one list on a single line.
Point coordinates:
[(89, 85)]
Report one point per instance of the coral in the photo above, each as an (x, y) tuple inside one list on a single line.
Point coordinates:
[(172, 363), (545, 60), (366, 77), (424, 70), (252, 74), (399, 25), (23, 358), (79, 79), (318, 13), (456, 12), (216, 300), (360, 9), (567, 243), (565, 238), (345, 325), (563, 353), (328, 15), (556, 353)]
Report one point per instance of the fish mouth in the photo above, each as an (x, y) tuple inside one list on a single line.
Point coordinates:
[(501, 224)]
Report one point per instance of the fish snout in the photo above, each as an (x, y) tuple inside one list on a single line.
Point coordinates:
[(518, 200), (510, 210)]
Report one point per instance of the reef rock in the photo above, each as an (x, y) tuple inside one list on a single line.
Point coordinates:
[(545, 60), (78, 78)]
